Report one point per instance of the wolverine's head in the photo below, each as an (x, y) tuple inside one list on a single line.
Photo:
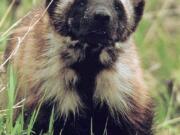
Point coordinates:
[(95, 21)]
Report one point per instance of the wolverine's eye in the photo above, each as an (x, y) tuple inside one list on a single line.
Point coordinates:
[(81, 4), (119, 8)]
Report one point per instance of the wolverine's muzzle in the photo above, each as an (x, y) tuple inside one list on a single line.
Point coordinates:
[(102, 16), (98, 26)]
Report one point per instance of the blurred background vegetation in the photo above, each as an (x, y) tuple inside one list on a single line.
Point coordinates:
[(158, 41)]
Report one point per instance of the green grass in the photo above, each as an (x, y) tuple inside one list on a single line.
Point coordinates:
[(7, 125), (158, 42)]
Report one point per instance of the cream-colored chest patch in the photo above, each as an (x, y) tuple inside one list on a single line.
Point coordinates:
[(114, 88)]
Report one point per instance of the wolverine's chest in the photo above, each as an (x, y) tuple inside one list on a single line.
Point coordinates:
[(87, 72), (87, 116), (77, 79)]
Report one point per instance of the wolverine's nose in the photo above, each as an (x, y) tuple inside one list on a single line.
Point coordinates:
[(102, 15)]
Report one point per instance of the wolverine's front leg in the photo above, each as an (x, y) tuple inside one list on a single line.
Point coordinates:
[(137, 123)]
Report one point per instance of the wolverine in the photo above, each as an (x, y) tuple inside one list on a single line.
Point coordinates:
[(78, 58)]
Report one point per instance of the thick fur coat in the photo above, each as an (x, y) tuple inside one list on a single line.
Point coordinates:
[(79, 58)]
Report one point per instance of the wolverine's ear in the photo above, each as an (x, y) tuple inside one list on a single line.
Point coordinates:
[(138, 11)]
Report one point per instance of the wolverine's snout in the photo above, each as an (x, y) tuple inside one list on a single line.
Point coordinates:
[(102, 15)]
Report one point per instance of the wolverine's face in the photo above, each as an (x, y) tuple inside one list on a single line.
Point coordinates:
[(96, 21)]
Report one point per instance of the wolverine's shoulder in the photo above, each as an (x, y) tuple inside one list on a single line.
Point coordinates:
[(29, 34)]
